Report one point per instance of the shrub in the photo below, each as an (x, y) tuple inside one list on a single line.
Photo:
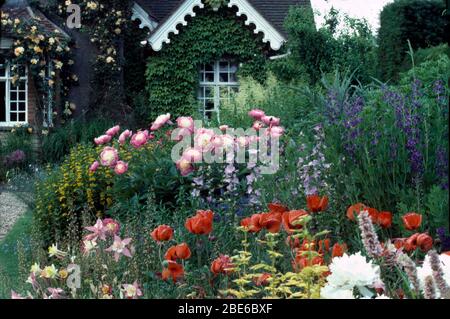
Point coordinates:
[(421, 22)]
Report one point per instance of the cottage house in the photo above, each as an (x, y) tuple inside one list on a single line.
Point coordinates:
[(163, 21)]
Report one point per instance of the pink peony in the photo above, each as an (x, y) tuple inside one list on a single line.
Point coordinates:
[(242, 141), (185, 166), (203, 139), (111, 226), (121, 168), (271, 120), (181, 133), (94, 166), (186, 123), (102, 139), (113, 131), (139, 139), (257, 114), (193, 155), (258, 125), (124, 136), (160, 122), (109, 156), (227, 141), (275, 131), (224, 128)]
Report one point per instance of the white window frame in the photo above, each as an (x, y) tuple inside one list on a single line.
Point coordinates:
[(6, 78), (216, 85)]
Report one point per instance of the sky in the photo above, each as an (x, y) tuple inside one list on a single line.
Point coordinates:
[(368, 9)]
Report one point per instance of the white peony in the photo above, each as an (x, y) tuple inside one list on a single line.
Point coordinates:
[(348, 272), (425, 271)]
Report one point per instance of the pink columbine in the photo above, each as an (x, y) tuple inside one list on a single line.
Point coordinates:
[(109, 156), (15, 295), (94, 166), (119, 247), (139, 139), (275, 131), (121, 168), (104, 139), (257, 114), (132, 291), (124, 136), (112, 227), (271, 120), (193, 155), (113, 131), (160, 122), (98, 231), (184, 166), (56, 293), (258, 125), (185, 122)]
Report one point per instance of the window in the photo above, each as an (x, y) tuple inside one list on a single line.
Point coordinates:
[(13, 96), (218, 81)]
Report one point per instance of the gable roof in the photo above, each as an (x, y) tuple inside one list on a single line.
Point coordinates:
[(20, 9), (275, 11), (267, 15)]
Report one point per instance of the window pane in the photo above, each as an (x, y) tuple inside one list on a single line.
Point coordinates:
[(233, 77), (209, 77), (22, 106), (22, 117), (13, 106), (13, 117), (224, 77), (224, 66), (13, 95), (209, 92), (224, 92), (22, 96), (209, 105), (209, 67), (2, 101)]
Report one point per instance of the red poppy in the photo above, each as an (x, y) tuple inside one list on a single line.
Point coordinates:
[(271, 221), (338, 250), (290, 218), (277, 208), (324, 246), (424, 242), (173, 270), (316, 203), (262, 280), (385, 219), (201, 223), (399, 243), (253, 223), (355, 210), (410, 244), (222, 265), (171, 254), (412, 221), (302, 262), (162, 233), (373, 213), (181, 251)]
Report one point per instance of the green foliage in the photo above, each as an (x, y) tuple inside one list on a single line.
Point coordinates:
[(421, 22), (172, 74), (60, 141), (317, 51)]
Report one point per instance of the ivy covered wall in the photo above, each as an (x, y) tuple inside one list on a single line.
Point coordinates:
[(172, 73)]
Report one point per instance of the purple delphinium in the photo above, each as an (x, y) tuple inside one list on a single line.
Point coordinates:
[(351, 122), (408, 120), (444, 238), (441, 97), (312, 169), (333, 107), (442, 166)]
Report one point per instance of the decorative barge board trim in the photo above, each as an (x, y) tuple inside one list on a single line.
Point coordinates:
[(162, 33), (146, 21)]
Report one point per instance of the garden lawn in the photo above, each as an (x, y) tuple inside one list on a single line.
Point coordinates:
[(9, 261)]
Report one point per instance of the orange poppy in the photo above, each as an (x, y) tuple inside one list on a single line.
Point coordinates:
[(338, 250), (385, 219), (222, 265), (410, 243), (201, 223), (173, 270), (316, 203), (277, 208), (162, 233), (412, 221), (302, 262), (324, 246), (424, 242), (271, 221), (171, 254), (253, 223), (262, 280), (373, 213), (183, 251), (289, 218), (355, 209)]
